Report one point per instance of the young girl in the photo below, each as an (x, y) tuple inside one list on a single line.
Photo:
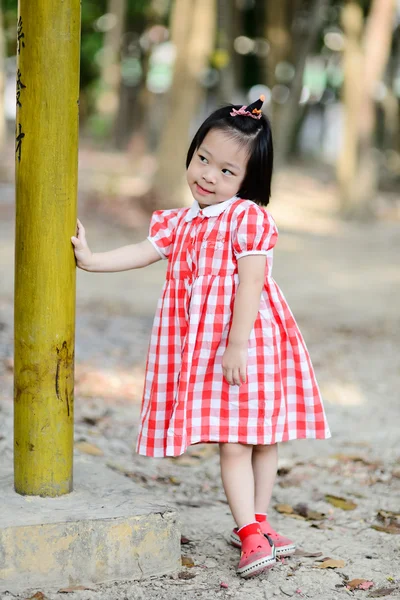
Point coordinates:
[(227, 362)]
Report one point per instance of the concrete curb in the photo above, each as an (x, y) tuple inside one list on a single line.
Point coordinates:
[(106, 529)]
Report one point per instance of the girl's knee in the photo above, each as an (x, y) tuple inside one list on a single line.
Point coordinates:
[(265, 449), (234, 450)]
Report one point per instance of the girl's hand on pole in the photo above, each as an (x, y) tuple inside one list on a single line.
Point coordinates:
[(234, 364), (82, 251)]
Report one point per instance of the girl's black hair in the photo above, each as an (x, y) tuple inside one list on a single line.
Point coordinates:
[(256, 135)]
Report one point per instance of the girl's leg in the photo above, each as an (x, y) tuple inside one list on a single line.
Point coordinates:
[(265, 464), (238, 481)]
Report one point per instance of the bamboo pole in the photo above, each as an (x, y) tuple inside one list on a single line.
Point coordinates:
[(46, 190)]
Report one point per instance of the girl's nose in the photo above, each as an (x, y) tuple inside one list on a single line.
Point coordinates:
[(209, 176)]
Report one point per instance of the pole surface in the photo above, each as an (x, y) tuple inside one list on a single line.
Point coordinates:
[(48, 56)]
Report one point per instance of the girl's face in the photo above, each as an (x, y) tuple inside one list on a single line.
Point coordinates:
[(217, 169)]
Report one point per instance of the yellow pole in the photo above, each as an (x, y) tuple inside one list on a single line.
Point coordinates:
[(46, 190)]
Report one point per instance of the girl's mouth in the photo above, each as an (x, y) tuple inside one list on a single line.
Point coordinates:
[(202, 191)]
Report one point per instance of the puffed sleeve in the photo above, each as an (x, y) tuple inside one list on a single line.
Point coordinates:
[(255, 232), (162, 230)]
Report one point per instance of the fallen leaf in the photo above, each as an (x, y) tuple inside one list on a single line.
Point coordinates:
[(340, 502), (380, 592), (388, 515), (366, 585), (173, 480), (303, 510), (88, 448), (187, 561), (331, 563), (75, 588), (134, 475), (359, 584), (393, 529), (286, 509), (301, 552), (356, 458), (38, 596)]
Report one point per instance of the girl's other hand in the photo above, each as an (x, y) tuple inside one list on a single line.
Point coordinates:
[(234, 364), (82, 251)]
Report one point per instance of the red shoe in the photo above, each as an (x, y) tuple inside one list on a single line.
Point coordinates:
[(283, 545), (258, 552)]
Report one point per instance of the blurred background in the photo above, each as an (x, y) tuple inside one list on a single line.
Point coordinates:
[(151, 70)]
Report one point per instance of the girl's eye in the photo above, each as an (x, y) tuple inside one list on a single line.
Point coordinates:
[(227, 171), (203, 159)]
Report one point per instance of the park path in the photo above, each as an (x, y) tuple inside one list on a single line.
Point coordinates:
[(342, 282)]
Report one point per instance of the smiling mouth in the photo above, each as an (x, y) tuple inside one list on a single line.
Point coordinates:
[(202, 190)]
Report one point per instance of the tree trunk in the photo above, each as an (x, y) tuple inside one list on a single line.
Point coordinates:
[(192, 32), (360, 184), (226, 34), (278, 36), (353, 60), (289, 116), (110, 77), (2, 81)]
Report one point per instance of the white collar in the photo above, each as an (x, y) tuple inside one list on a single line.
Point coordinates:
[(214, 210)]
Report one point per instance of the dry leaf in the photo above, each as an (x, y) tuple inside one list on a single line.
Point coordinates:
[(366, 585), (340, 502), (38, 596), (393, 529), (320, 525), (75, 588), (286, 509), (356, 458), (300, 552), (308, 513), (390, 520), (380, 592), (359, 584), (331, 563), (187, 561), (88, 448), (387, 515)]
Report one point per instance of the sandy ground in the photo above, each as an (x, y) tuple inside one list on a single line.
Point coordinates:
[(342, 281)]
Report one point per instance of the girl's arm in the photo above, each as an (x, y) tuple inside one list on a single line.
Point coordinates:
[(251, 271), (133, 256)]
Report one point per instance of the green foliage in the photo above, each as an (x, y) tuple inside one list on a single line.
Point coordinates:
[(92, 39)]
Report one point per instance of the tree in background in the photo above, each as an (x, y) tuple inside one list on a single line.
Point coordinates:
[(288, 116), (110, 69), (192, 32), (367, 52), (2, 80)]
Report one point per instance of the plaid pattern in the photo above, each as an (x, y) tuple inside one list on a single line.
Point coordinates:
[(186, 398)]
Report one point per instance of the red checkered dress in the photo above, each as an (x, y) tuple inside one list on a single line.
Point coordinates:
[(186, 398)]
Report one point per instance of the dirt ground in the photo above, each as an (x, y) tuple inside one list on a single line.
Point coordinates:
[(342, 281)]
